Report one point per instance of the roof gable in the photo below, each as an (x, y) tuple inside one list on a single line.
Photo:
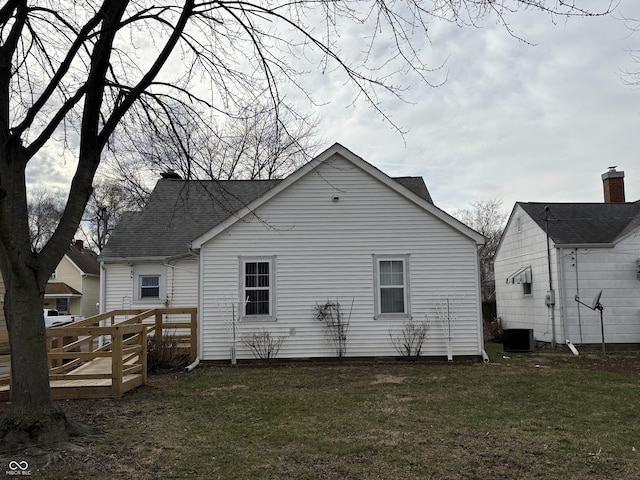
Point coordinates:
[(183, 214), (414, 191), (585, 223)]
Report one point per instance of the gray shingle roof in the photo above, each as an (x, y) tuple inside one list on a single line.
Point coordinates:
[(582, 223), (179, 211), (416, 185)]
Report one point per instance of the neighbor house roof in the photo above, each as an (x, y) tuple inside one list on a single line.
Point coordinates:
[(585, 223), (84, 258), (60, 289), (180, 211)]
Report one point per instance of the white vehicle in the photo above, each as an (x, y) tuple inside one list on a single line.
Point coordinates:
[(53, 319)]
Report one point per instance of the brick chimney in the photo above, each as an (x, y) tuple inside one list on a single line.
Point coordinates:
[(613, 184)]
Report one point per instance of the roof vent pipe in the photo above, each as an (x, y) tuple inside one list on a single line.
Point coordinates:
[(613, 184)]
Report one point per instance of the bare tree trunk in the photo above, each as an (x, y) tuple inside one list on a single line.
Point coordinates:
[(33, 417)]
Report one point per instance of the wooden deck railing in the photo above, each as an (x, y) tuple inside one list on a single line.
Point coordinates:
[(106, 355)]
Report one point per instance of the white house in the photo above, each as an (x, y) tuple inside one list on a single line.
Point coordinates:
[(262, 255), (591, 247)]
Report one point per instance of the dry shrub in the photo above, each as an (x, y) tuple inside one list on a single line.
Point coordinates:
[(168, 355)]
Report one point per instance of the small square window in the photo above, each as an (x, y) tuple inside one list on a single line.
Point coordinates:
[(150, 286), (526, 288)]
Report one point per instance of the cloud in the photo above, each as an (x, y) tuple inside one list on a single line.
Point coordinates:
[(514, 121)]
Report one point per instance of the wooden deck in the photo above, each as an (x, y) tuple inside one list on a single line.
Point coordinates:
[(90, 360)]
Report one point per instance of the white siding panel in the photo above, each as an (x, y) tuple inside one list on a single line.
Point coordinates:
[(119, 286), (614, 271), (181, 285), (324, 251)]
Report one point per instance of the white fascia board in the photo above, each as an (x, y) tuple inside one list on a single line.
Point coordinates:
[(337, 149), (73, 264), (108, 260), (584, 245)]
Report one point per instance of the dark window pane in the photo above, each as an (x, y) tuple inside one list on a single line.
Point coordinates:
[(258, 303), (150, 287), (150, 281), (392, 300)]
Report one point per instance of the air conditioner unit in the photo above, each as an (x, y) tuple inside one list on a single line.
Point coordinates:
[(517, 340)]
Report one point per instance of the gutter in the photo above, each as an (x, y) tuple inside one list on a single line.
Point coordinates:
[(585, 245)]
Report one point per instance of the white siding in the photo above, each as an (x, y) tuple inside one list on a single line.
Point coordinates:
[(118, 287), (324, 251), (520, 248), (613, 270), (180, 284)]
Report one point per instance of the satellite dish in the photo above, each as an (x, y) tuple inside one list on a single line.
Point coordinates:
[(596, 305), (596, 300)]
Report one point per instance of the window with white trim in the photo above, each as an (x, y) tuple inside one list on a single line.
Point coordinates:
[(149, 286), (392, 285), (257, 287), (149, 282)]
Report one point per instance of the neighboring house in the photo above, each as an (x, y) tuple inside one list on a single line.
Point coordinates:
[(262, 255), (591, 247), (74, 287)]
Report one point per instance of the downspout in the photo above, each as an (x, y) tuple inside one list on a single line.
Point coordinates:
[(551, 293), (578, 295), (561, 290), (196, 362), (485, 357)]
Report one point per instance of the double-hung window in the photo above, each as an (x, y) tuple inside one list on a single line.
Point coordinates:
[(149, 286), (257, 287), (392, 285)]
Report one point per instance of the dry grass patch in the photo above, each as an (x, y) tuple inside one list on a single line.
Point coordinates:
[(573, 419)]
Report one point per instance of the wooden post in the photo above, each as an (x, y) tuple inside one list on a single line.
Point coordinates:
[(143, 353), (116, 362), (158, 332)]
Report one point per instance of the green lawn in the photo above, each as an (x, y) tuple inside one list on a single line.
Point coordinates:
[(529, 416)]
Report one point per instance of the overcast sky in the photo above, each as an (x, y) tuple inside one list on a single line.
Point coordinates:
[(514, 121)]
